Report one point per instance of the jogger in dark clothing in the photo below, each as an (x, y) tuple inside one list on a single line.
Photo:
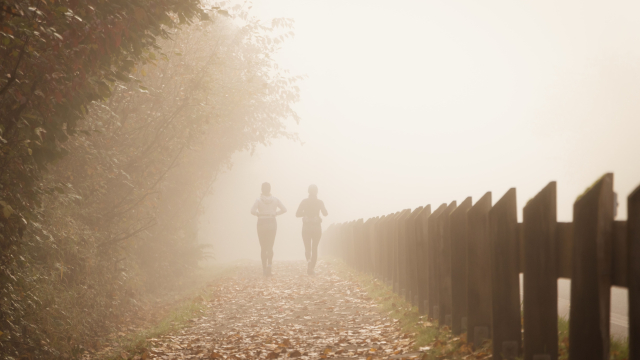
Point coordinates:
[(266, 209), (309, 210)]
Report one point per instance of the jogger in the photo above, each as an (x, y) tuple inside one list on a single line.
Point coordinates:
[(309, 210), (266, 209)]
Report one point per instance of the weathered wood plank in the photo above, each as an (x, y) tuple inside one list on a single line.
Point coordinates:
[(633, 241), (404, 238), (479, 272), (358, 234), (347, 236), (411, 247), (433, 265), (392, 251), (389, 226), (591, 274), (459, 267), (397, 250), (540, 276), (423, 280), (370, 240), (444, 298), (379, 248), (505, 278), (382, 240)]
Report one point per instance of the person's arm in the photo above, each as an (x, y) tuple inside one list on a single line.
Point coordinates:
[(254, 209), (300, 212), (323, 209), (281, 207)]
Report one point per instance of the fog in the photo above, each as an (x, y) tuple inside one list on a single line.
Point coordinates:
[(409, 103)]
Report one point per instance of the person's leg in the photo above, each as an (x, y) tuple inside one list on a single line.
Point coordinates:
[(271, 238), (270, 242), (306, 239), (262, 237), (317, 234)]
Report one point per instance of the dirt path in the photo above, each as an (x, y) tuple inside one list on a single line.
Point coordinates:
[(287, 315)]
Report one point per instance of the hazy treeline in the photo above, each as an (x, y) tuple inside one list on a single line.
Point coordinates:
[(109, 144)]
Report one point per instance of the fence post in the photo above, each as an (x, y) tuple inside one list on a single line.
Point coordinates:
[(411, 246), (403, 260), (479, 306), (352, 244), (633, 238), (591, 274), (368, 245), (389, 226), (444, 254), (422, 280), (540, 275), (416, 235), (395, 229), (368, 227), (386, 257), (377, 247), (459, 267), (400, 260), (505, 277), (393, 241), (433, 265), (340, 246), (356, 244)]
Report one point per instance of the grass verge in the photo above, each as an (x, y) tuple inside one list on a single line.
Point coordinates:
[(432, 341), (439, 343), (619, 348)]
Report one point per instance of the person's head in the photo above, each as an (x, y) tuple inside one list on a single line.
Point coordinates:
[(313, 190), (266, 188)]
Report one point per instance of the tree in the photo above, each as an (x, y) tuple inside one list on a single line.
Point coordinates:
[(126, 170)]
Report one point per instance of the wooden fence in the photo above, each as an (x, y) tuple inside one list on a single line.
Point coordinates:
[(460, 265)]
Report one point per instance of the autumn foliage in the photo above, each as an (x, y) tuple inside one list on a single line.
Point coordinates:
[(115, 117)]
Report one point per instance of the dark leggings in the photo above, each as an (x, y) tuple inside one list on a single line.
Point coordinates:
[(267, 235), (311, 234)]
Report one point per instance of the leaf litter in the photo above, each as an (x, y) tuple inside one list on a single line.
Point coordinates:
[(288, 315)]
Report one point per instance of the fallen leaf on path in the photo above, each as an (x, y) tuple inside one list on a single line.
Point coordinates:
[(251, 317)]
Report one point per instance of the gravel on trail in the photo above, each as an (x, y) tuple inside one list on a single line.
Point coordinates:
[(287, 315)]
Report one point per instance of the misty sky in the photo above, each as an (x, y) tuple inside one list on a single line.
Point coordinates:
[(409, 103)]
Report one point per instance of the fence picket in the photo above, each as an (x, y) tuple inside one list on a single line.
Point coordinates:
[(505, 278), (403, 251), (376, 230), (591, 273), (633, 241), (479, 272), (540, 276), (444, 291), (459, 267), (397, 257), (423, 271), (389, 226), (412, 256), (433, 265)]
